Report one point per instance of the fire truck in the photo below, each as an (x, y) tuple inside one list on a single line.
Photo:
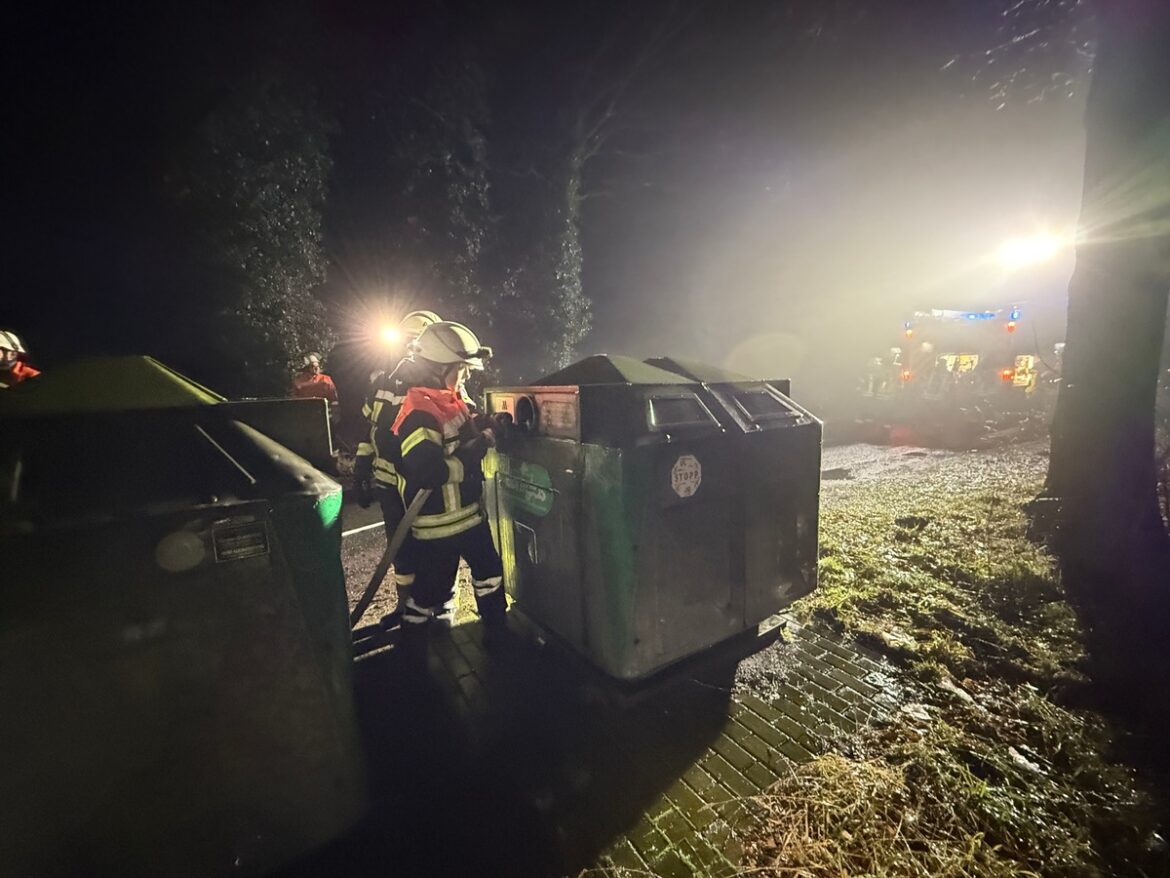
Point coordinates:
[(962, 373), (963, 356)]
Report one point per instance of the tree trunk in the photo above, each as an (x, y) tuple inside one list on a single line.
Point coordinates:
[(1114, 546)]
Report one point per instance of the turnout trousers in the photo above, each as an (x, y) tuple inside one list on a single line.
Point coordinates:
[(436, 564)]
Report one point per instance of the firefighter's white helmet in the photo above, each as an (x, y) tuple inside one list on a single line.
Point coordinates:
[(447, 343), (10, 341), (415, 322)]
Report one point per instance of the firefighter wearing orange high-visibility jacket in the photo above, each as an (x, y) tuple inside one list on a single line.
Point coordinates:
[(13, 368), (441, 446)]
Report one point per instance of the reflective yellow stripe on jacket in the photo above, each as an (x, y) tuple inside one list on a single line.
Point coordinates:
[(422, 434), (385, 473), (455, 517)]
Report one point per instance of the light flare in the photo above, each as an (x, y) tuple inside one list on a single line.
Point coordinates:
[(1031, 250)]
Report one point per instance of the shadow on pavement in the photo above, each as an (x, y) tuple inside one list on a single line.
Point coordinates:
[(518, 762)]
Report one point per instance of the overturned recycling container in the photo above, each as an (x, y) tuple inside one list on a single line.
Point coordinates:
[(174, 644), (646, 511)]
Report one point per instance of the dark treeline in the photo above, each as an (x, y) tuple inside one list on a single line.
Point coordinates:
[(226, 186)]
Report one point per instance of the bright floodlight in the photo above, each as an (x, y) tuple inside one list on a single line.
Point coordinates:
[(1018, 252), (391, 334)]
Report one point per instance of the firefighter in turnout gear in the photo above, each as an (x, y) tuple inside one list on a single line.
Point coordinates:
[(13, 368), (375, 477), (441, 446), (387, 390)]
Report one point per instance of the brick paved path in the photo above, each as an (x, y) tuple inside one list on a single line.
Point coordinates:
[(830, 688), (526, 764)]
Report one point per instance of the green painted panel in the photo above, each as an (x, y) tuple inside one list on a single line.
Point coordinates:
[(529, 487)]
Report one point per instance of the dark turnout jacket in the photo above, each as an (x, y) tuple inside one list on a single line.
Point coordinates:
[(439, 447)]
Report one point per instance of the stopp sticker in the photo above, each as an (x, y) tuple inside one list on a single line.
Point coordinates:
[(686, 475), (236, 542)]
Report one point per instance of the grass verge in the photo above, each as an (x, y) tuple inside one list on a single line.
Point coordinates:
[(988, 772)]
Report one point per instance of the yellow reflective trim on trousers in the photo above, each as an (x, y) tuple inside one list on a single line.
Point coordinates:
[(441, 518), (450, 530), (365, 449), (422, 434)]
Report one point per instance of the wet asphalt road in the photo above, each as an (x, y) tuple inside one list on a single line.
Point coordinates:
[(362, 544)]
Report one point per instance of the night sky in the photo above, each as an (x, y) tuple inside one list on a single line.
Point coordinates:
[(787, 179)]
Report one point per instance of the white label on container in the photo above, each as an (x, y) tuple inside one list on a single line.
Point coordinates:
[(240, 541), (686, 475)]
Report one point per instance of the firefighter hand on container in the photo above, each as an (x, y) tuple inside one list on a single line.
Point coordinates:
[(442, 448), (495, 428), (13, 368)]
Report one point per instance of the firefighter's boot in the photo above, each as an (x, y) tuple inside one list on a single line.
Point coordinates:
[(402, 583)]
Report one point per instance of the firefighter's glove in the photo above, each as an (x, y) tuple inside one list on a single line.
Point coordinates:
[(365, 496), (478, 441), (363, 467), (501, 425)]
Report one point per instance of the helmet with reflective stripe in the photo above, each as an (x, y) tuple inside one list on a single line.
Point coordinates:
[(10, 341), (415, 322), (447, 343)]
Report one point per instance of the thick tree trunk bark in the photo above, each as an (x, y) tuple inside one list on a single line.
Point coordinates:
[(1115, 549)]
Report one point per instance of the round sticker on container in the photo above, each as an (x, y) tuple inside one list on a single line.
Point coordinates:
[(686, 475)]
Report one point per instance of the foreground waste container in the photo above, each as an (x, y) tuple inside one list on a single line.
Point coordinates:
[(646, 511), (174, 645)]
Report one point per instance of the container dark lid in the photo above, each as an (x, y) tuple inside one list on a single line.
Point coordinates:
[(696, 370), (611, 369)]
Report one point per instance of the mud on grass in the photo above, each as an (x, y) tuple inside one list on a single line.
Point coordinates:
[(987, 772)]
